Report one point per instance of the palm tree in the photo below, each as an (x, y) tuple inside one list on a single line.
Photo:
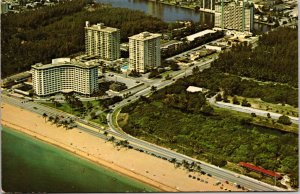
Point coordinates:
[(65, 124), (45, 117), (56, 119), (112, 138), (198, 168), (153, 89), (173, 160), (51, 118), (53, 101)]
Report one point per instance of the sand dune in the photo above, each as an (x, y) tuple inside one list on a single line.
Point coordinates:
[(151, 170)]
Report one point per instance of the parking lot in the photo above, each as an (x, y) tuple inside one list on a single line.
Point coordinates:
[(110, 76)]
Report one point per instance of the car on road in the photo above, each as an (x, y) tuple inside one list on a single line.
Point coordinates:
[(209, 175)]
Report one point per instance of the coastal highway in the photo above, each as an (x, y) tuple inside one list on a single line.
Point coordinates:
[(147, 147), (245, 181), (217, 172), (141, 145)]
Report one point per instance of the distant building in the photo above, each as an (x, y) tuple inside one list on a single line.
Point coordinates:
[(199, 34), (4, 7), (62, 75), (215, 47), (237, 15), (194, 89), (144, 51), (102, 41)]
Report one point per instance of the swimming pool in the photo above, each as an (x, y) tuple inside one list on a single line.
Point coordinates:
[(124, 68)]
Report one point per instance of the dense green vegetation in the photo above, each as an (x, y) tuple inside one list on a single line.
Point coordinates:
[(215, 80), (189, 126), (58, 31), (274, 59)]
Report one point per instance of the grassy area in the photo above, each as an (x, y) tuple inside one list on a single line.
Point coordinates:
[(276, 108), (122, 119), (68, 109), (101, 120), (63, 107), (264, 122), (164, 74), (115, 118)]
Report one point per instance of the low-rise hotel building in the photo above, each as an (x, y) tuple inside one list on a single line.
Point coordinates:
[(62, 75), (102, 41), (144, 51)]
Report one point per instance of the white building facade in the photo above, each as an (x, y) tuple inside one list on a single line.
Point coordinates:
[(4, 7), (102, 41), (64, 76), (144, 51), (237, 15)]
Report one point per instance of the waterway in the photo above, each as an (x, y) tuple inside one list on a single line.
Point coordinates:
[(167, 13), (30, 165), (170, 13)]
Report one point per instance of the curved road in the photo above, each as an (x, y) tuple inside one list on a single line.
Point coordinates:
[(141, 145)]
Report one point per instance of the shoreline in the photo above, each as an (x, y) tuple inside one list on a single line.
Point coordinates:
[(155, 172), (86, 156)]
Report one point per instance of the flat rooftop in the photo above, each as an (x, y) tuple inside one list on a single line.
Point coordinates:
[(199, 34), (65, 63), (145, 36), (102, 28)]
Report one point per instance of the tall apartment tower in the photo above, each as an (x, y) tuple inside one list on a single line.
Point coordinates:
[(144, 51), (102, 41), (237, 15)]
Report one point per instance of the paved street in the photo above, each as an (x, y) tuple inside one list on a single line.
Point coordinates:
[(145, 146), (253, 110), (249, 110)]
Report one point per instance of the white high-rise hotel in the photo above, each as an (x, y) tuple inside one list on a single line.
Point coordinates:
[(144, 51), (62, 75), (102, 41), (236, 15)]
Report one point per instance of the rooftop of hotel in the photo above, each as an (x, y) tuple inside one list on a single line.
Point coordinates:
[(145, 36), (64, 62), (199, 34), (100, 27)]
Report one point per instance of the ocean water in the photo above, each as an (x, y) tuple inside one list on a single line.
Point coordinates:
[(30, 165)]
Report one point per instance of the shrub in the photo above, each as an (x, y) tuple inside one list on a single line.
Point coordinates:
[(284, 120), (245, 103), (154, 74), (235, 100), (225, 99), (219, 97)]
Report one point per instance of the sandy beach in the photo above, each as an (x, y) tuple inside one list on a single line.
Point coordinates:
[(148, 169)]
